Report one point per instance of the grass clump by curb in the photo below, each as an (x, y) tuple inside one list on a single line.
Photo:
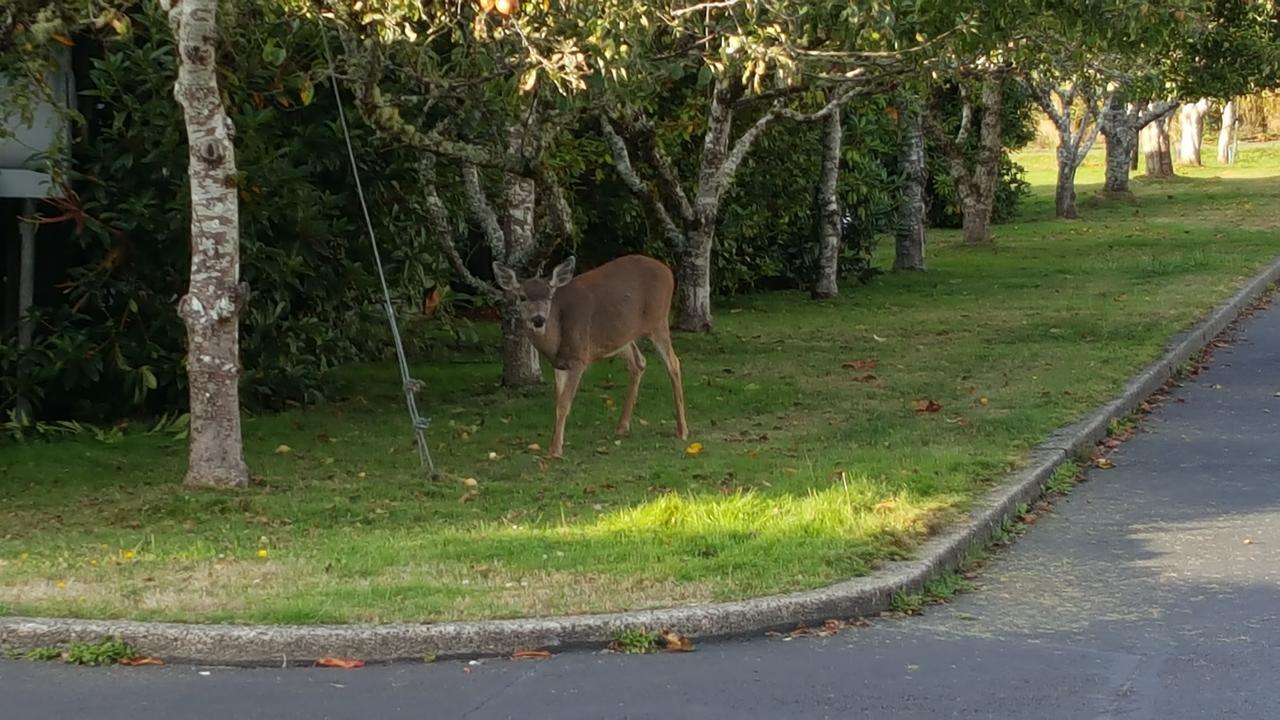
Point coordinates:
[(107, 651), (831, 437), (41, 654), (635, 641)]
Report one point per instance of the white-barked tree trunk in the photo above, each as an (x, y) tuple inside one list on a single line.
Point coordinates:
[(211, 308)]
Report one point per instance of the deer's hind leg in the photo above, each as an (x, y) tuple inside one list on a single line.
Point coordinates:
[(661, 340), (635, 366)]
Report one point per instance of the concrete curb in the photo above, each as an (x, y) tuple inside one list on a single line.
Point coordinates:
[(276, 645)]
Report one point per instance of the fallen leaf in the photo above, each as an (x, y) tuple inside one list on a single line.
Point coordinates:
[(1103, 463), (861, 364), (431, 302), (694, 449), (141, 660), (336, 662), (675, 642), (867, 378), (283, 450), (530, 655), (534, 447), (927, 406)]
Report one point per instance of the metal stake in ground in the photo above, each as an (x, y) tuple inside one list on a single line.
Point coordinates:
[(411, 386)]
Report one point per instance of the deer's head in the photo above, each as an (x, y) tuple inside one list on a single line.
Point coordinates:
[(533, 296)]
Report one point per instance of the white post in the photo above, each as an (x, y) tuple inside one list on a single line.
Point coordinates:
[(26, 290)]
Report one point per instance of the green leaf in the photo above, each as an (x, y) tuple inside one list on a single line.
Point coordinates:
[(148, 377), (704, 76), (273, 54)]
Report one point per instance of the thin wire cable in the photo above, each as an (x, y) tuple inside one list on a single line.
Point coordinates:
[(411, 386)]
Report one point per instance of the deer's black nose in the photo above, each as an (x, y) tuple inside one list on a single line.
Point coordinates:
[(538, 321)]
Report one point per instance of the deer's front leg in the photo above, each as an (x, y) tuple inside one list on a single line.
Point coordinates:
[(566, 388)]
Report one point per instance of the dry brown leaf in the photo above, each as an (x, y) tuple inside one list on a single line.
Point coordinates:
[(927, 406), (868, 378), (861, 364), (337, 662), (675, 642), (141, 660), (530, 655), (431, 302)]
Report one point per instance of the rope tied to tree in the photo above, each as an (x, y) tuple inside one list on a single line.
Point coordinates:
[(411, 386)]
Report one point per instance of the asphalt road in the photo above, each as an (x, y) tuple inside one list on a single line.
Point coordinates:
[(1151, 592)]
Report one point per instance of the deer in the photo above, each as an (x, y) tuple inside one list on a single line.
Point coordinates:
[(573, 321)]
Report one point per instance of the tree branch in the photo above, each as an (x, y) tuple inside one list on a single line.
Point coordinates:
[(966, 119), (1044, 98), (668, 180), (437, 217), (481, 211), (553, 190), (622, 163), (722, 176), (833, 105), (1155, 111)]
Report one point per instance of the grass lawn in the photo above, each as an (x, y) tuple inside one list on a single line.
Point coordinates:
[(810, 471)]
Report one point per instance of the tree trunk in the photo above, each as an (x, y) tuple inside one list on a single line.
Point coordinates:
[(1065, 193), (908, 251), (976, 221), (211, 308), (1226, 138), (520, 362), (693, 281), (1122, 145), (986, 173), (1192, 132), (829, 223), (1155, 142)]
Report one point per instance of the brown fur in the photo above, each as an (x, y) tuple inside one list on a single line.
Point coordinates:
[(598, 314)]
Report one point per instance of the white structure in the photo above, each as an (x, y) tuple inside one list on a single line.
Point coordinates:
[(22, 149)]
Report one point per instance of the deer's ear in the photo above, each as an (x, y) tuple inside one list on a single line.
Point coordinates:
[(505, 276), (563, 272)]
